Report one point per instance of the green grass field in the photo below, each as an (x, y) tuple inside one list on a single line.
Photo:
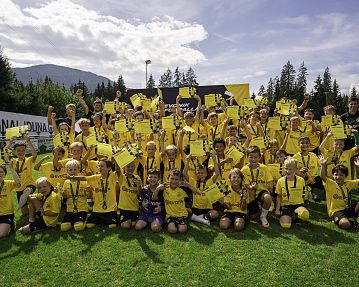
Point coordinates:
[(310, 254)]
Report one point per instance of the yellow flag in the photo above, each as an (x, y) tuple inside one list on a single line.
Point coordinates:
[(239, 91)]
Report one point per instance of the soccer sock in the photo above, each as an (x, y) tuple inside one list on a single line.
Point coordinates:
[(263, 216), (286, 225), (303, 214), (200, 219), (66, 226), (79, 226), (90, 225), (112, 226)]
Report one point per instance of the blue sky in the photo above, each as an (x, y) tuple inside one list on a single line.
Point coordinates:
[(224, 41)]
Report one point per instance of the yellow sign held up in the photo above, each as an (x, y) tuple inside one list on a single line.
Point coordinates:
[(216, 191), (235, 154), (249, 103), (232, 112), (274, 123), (91, 140), (110, 108), (168, 123), (338, 132), (104, 149), (184, 93), (196, 148), (123, 158), (16, 131), (210, 100)]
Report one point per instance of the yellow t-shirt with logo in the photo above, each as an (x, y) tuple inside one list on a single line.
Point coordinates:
[(311, 162), (343, 158), (168, 165), (200, 199), (150, 163), (235, 200), (56, 177), (104, 198), (261, 175), (336, 196), (75, 196), (53, 204), (6, 203), (295, 191), (24, 170), (175, 205), (292, 146), (128, 193)]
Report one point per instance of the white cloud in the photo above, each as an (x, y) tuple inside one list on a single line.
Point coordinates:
[(65, 33)]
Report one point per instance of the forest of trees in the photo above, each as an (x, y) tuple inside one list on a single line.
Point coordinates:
[(34, 98)]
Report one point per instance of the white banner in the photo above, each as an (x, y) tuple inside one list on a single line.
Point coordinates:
[(38, 125)]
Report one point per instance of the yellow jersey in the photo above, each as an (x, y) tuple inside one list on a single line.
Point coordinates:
[(24, 170), (175, 205), (128, 192), (6, 203), (76, 195), (261, 175), (291, 191)]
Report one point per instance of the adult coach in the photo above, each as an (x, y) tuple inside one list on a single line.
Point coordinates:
[(351, 118)]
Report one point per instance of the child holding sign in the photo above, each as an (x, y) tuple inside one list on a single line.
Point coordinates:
[(202, 209), (290, 196), (235, 203)]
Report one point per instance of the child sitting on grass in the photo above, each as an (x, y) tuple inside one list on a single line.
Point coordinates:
[(175, 206), (290, 196), (235, 203), (338, 195), (44, 207), (153, 212)]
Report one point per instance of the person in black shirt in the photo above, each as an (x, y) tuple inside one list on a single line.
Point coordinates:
[(351, 118)]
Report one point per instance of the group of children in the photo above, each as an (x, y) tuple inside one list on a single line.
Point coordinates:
[(253, 168)]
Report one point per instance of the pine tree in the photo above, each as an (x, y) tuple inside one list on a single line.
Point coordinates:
[(121, 85), (184, 80), (166, 79), (261, 90), (327, 87), (318, 98), (191, 78), (177, 79), (151, 82), (270, 90), (353, 92), (300, 83), (7, 78), (287, 79)]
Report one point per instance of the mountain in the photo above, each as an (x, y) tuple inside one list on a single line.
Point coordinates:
[(59, 74)]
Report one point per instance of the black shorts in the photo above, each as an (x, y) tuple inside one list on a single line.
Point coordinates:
[(233, 215), (38, 225), (348, 213), (8, 218), (200, 211), (105, 218), (74, 217), (19, 193), (177, 220), (254, 206), (126, 215), (288, 210)]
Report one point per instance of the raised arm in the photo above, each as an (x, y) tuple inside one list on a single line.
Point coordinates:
[(33, 150), (79, 94), (50, 109), (198, 110), (243, 124), (15, 176), (53, 123), (323, 172), (38, 165), (305, 103), (179, 110), (324, 142), (216, 171)]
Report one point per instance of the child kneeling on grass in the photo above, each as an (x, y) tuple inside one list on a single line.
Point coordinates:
[(175, 206), (153, 212), (44, 207), (290, 192), (235, 203), (339, 205)]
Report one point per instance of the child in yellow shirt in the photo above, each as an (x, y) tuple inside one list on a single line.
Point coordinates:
[(290, 190)]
